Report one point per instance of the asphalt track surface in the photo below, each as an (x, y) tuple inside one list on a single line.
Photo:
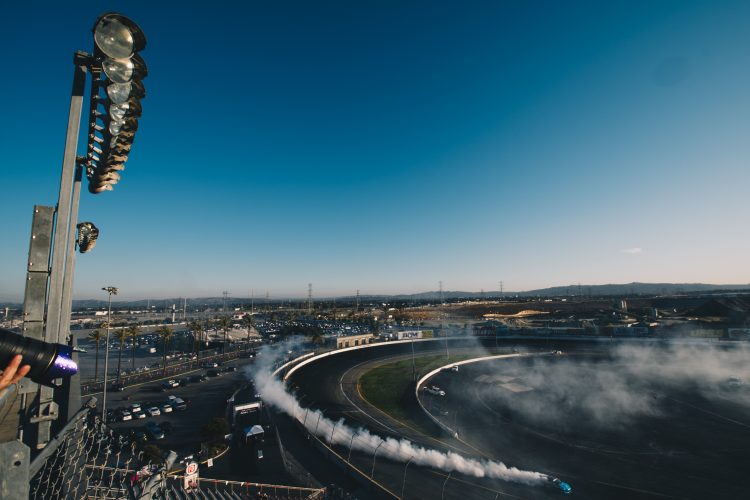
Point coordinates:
[(700, 449), (331, 384)]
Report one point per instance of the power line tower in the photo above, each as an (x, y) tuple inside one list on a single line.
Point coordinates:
[(500, 283), (225, 296), (357, 306), (309, 299), (440, 286)]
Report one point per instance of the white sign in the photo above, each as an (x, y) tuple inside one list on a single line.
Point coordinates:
[(191, 482), (210, 462), (192, 468)]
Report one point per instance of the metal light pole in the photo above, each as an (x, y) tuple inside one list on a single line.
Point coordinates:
[(403, 487), (351, 442), (317, 424), (374, 456), (111, 290), (442, 495), (330, 441)]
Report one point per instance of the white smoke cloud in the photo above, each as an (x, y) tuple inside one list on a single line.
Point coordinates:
[(632, 251), (582, 394), (338, 432)]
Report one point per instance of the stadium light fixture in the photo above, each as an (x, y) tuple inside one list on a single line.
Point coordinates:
[(87, 235), (116, 92), (117, 36)]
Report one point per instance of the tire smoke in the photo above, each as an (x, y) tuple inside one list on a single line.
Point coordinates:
[(338, 432)]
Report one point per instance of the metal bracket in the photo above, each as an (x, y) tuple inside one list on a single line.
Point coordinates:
[(47, 411), (27, 386)]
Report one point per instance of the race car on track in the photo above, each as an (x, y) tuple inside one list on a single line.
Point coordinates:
[(559, 485)]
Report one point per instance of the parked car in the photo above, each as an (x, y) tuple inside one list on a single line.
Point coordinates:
[(169, 384), (135, 407), (166, 408), (153, 431), (154, 411), (125, 415)]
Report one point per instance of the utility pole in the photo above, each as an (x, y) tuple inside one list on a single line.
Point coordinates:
[(500, 283), (225, 295), (309, 299), (357, 308), (111, 290), (440, 285)]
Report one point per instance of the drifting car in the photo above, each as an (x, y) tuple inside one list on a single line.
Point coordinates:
[(435, 391), (559, 485)]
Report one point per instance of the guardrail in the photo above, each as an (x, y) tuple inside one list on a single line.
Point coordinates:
[(430, 374), (160, 373)]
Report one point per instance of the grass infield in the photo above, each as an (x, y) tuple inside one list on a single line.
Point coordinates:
[(390, 387)]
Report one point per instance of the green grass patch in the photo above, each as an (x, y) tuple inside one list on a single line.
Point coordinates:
[(390, 387)]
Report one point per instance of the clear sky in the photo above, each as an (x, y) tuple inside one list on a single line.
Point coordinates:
[(386, 145)]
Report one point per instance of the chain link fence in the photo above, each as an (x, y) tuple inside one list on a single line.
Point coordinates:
[(87, 460)]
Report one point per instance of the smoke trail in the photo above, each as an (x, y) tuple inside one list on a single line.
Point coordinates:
[(338, 432)]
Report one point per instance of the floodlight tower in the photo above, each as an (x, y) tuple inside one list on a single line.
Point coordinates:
[(117, 71)]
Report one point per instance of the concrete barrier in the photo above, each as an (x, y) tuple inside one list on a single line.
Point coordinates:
[(427, 376)]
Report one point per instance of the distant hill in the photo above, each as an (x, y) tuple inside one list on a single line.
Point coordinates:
[(615, 290), (627, 289)]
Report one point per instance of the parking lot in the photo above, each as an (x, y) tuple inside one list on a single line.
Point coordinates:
[(204, 398)]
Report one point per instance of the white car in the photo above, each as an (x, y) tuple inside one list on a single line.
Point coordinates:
[(125, 416), (435, 391), (154, 411), (139, 415), (166, 408)]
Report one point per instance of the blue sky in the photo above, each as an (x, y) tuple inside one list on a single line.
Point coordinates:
[(384, 146)]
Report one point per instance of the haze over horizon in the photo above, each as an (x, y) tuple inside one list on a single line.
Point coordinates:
[(384, 146)]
